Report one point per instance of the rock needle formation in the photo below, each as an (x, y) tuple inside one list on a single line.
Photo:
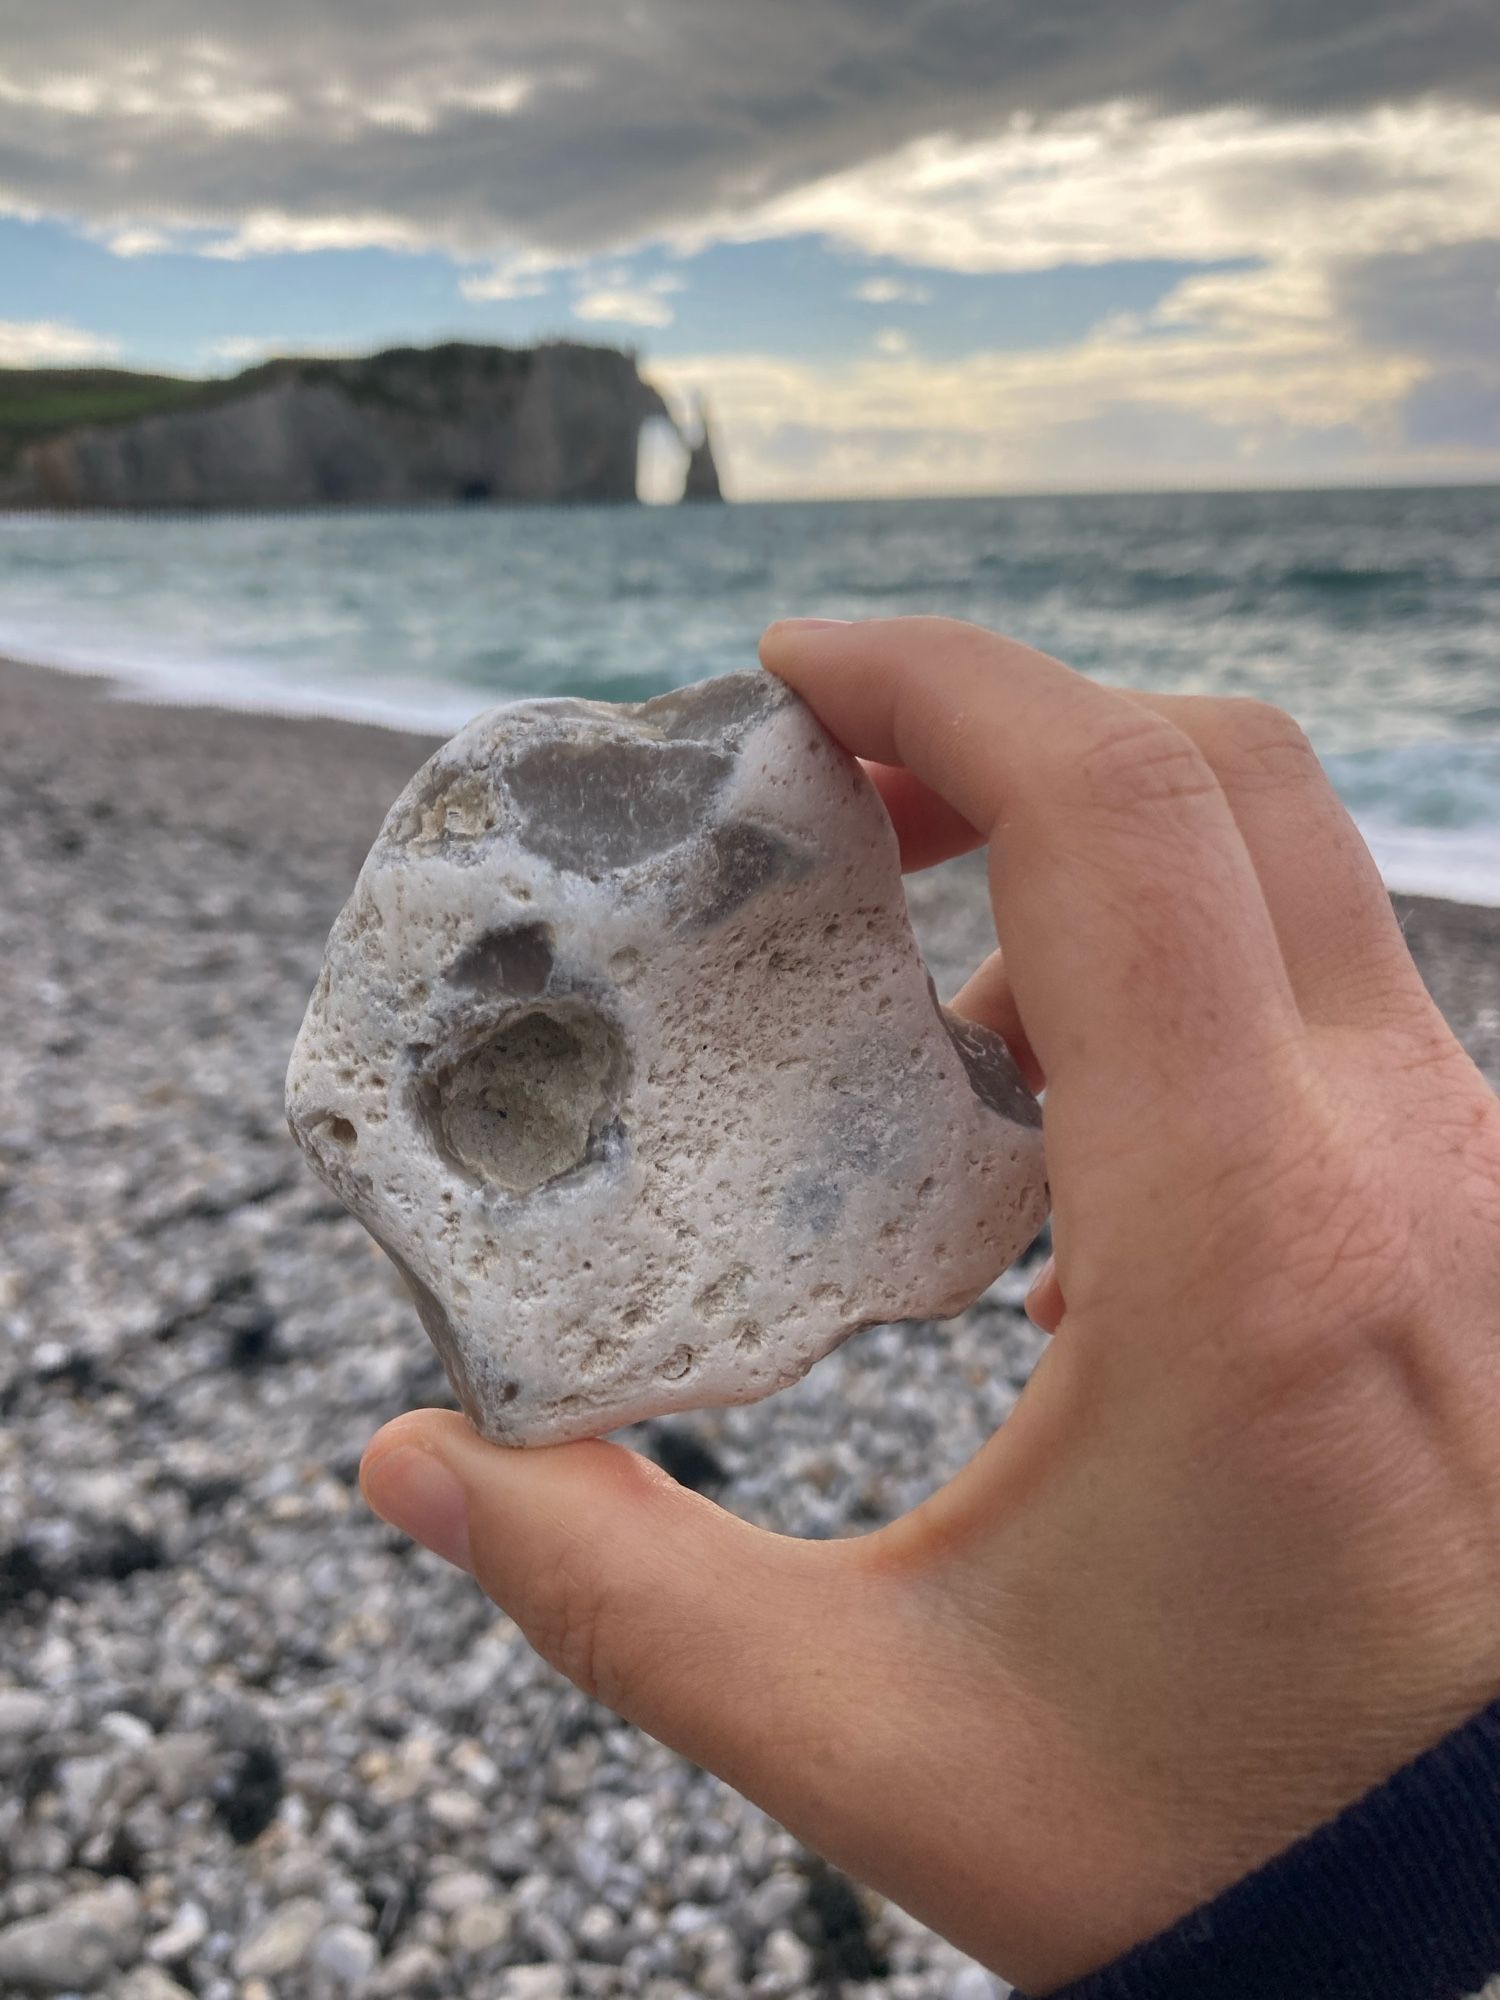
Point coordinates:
[(623, 1051)]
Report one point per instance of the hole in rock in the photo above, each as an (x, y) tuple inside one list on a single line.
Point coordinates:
[(339, 1130), (533, 1101)]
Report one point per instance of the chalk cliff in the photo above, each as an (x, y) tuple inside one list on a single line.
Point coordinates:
[(558, 422)]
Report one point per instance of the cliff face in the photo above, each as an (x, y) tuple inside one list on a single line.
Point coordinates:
[(553, 423)]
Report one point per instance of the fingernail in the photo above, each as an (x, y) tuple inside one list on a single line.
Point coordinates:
[(812, 624), (417, 1493)]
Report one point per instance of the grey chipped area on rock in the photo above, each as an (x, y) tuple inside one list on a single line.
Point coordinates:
[(623, 1050), (745, 859), (991, 1071), (607, 802)]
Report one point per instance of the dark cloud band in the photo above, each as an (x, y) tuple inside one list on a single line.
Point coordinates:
[(592, 121)]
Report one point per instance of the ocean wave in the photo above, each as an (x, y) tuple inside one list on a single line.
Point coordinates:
[(1374, 618)]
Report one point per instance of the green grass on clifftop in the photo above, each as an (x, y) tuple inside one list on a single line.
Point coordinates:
[(37, 403)]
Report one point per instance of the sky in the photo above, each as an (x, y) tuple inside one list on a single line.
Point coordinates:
[(934, 247)]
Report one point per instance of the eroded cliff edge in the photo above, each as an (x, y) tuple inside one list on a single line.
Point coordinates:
[(557, 422)]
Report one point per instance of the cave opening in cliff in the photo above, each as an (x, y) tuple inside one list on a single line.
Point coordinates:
[(474, 492)]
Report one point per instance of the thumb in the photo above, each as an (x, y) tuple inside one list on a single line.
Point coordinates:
[(724, 1641)]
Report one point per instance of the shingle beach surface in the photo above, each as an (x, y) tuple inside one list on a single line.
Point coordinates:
[(253, 1745)]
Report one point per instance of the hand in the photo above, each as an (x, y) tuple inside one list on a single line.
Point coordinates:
[(1235, 1556)]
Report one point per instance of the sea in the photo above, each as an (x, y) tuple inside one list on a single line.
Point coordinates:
[(1372, 615)]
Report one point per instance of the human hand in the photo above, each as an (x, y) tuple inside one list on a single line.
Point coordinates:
[(1235, 1555)]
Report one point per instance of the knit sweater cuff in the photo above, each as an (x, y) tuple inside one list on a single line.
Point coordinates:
[(1396, 1899)]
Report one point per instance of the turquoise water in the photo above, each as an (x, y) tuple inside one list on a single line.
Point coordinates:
[(1373, 616)]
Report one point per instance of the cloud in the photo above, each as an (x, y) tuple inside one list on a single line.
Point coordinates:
[(273, 233), (625, 302), (891, 292), (1442, 301), (136, 242), (583, 125), (42, 343), (1440, 308), (624, 308), (1239, 378), (1116, 183), (1456, 412), (519, 277), (1342, 148)]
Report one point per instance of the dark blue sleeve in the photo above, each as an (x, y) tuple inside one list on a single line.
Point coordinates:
[(1396, 1899)]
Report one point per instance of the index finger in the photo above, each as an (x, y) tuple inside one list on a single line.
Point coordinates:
[(1140, 949)]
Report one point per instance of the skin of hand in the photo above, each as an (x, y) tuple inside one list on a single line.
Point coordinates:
[(1235, 1555)]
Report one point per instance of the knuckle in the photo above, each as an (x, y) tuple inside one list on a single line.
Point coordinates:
[(1142, 762), (1264, 741)]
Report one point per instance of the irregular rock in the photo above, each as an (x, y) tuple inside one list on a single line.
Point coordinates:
[(457, 1890), (75, 1947), (24, 1712), (346, 1953), (786, 1963), (413, 1973), (623, 1050), (147, 1982), (455, 1811), (479, 1927), (533, 1982), (281, 1941), (181, 1937), (181, 1764)]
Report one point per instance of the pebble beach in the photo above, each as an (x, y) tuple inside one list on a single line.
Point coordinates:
[(253, 1745)]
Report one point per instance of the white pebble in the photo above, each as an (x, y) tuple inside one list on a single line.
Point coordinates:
[(476, 1928), (281, 1940), (24, 1713), (346, 1953), (456, 1890), (532, 1982)]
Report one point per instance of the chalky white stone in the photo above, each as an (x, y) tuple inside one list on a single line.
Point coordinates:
[(622, 1049)]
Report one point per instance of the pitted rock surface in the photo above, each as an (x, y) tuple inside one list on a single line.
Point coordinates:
[(622, 1049)]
